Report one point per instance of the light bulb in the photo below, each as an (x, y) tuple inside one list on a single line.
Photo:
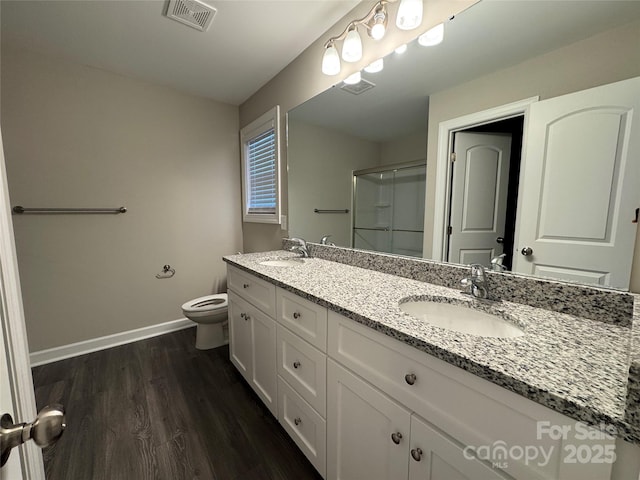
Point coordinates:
[(331, 61), (379, 25), (401, 49), (353, 78), (352, 47), (409, 14), (433, 36), (375, 67)]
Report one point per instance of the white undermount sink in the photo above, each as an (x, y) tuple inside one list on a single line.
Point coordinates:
[(283, 262), (461, 318)]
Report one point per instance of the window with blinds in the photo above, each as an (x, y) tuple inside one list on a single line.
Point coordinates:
[(261, 169)]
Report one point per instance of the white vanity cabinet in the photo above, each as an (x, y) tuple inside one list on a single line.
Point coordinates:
[(462, 412), (252, 333)]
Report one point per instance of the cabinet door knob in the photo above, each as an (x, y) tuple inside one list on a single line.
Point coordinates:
[(243, 315), (296, 364), (297, 420), (416, 453), (296, 315), (245, 285), (396, 437), (410, 378)]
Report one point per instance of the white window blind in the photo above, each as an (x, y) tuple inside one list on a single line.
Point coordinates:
[(261, 168), (261, 156)]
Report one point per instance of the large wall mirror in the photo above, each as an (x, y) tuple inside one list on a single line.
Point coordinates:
[(364, 160)]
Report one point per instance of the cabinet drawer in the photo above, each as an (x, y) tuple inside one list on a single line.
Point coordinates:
[(260, 293), (304, 425), (472, 410), (302, 317), (303, 367)]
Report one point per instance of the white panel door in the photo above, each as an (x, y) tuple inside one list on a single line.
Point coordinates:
[(367, 432), (478, 196), (580, 186), (264, 368), (239, 335)]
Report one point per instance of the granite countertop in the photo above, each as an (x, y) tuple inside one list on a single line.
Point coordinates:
[(576, 366)]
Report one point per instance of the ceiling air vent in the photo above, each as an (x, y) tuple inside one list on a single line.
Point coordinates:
[(358, 88), (194, 13)]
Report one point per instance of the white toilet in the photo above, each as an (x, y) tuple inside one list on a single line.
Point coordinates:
[(210, 313)]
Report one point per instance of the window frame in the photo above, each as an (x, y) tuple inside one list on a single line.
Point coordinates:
[(267, 121)]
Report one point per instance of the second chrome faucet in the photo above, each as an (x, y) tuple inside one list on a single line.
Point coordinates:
[(476, 283)]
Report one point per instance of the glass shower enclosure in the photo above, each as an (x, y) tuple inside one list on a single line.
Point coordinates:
[(388, 208)]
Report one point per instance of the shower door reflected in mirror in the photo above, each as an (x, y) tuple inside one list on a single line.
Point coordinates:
[(388, 209)]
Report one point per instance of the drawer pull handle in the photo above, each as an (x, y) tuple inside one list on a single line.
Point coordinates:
[(245, 285), (410, 378), (396, 437), (297, 420), (296, 315), (296, 364), (416, 453), (245, 316)]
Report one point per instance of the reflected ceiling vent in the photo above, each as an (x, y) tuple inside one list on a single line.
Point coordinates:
[(193, 13), (358, 88)]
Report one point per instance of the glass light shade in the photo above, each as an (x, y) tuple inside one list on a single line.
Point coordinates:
[(352, 47), (433, 36), (401, 49), (375, 67), (409, 14), (353, 78), (331, 61)]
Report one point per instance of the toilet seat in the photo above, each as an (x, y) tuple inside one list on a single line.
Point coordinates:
[(205, 305)]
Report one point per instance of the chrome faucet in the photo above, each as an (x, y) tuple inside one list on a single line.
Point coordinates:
[(325, 241), (476, 282), (301, 247), (496, 263)]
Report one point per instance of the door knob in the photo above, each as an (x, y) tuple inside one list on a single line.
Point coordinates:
[(416, 453), (396, 437), (44, 430), (500, 240), (527, 251)]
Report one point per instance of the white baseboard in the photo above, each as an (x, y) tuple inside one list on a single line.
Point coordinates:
[(101, 343)]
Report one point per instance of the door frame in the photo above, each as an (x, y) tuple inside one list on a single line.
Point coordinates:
[(446, 131), (15, 333)]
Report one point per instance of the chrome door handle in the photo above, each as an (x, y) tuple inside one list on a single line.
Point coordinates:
[(527, 251), (44, 430), (500, 240)]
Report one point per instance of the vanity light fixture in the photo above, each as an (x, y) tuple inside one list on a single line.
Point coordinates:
[(331, 60), (352, 48), (433, 36), (409, 14), (375, 66), (375, 22), (353, 78)]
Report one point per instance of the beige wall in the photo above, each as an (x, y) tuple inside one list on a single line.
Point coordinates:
[(82, 137), (302, 79), (607, 57), (406, 149), (323, 179)]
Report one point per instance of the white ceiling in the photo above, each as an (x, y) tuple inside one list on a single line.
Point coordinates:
[(248, 43), (487, 37)]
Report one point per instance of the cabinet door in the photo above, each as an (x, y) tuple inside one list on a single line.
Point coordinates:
[(263, 348), (435, 456), (367, 432), (239, 336), (252, 348)]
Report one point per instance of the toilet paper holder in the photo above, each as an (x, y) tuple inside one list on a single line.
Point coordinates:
[(167, 272)]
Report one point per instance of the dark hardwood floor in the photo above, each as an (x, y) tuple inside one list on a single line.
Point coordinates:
[(160, 409)]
